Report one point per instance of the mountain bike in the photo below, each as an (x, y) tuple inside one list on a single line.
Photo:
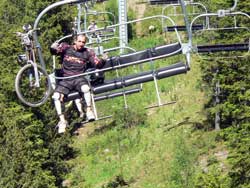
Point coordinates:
[(32, 83)]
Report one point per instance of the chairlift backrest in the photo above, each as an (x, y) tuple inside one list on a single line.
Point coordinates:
[(234, 25), (217, 24), (174, 13), (161, 2), (220, 15), (84, 13)]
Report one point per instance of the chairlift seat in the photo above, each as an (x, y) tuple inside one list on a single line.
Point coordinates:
[(156, 2), (119, 83), (223, 47), (145, 55), (76, 95), (147, 76), (183, 28), (142, 56)]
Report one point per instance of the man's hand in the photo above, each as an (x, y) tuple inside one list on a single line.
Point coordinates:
[(54, 45), (105, 56)]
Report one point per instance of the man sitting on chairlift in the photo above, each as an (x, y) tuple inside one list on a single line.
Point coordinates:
[(76, 59), (93, 27)]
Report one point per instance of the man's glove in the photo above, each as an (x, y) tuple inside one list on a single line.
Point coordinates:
[(54, 46), (105, 56)]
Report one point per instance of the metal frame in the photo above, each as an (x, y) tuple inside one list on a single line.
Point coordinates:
[(220, 13), (41, 60), (91, 12), (185, 4), (184, 48)]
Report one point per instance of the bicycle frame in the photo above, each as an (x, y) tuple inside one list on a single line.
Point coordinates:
[(28, 43), (32, 83)]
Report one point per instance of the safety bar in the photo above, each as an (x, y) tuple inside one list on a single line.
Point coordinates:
[(76, 95), (39, 50), (117, 94)]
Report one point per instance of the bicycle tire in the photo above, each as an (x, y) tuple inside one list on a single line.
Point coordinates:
[(29, 94)]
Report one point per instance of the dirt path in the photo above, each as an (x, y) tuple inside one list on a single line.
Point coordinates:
[(139, 9)]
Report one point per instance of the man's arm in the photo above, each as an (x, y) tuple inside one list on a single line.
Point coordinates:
[(95, 61), (58, 49)]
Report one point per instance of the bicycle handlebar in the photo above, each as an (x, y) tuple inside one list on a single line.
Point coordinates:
[(29, 33), (26, 38)]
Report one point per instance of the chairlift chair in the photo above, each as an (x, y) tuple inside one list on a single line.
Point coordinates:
[(86, 13), (235, 26), (148, 55), (196, 8), (107, 95)]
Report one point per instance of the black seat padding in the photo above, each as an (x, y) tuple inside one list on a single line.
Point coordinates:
[(183, 28), (223, 47), (156, 2), (144, 55), (117, 94), (118, 83), (76, 95)]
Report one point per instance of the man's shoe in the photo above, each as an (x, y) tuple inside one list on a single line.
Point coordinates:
[(62, 126), (90, 115)]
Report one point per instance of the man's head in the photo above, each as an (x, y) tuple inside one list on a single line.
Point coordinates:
[(79, 42)]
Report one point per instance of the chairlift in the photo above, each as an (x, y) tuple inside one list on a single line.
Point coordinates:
[(87, 13), (131, 59), (239, 46), (147, 55)]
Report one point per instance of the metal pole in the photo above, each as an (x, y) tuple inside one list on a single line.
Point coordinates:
[(183, 7), (189, 46), (217, 101), (123, 29)]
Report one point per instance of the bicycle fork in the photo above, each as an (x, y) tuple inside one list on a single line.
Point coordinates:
[(36, 74)]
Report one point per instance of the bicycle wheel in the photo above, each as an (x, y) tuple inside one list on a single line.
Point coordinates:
[(27, 91)]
